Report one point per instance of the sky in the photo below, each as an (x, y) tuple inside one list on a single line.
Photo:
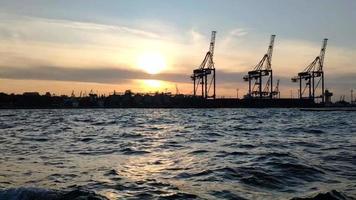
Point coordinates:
[(107, 45)]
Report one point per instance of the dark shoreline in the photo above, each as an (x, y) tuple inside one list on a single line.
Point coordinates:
[(157, 101), (186, 103)]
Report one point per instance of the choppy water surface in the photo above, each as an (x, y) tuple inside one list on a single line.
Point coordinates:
[(178, 154)]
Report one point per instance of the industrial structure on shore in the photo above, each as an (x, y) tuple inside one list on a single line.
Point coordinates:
[(262, 72), (262, 92), (313, 77), (260, 78), (204, 77)]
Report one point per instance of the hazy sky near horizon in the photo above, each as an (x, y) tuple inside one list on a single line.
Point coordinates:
[(66, 45)]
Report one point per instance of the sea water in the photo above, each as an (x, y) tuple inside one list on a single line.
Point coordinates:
[(176, 154)]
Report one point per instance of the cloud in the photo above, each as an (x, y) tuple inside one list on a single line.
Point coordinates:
[(93, 75), (196, 36), (119, 75), (41, 41), (105, 75), (227, 82), (238, 32), (30, 27)]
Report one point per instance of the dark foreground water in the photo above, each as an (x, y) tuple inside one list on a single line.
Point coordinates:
[(177, 154)]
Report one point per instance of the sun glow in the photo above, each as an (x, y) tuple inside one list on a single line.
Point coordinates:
[(153, 83), (150, 85), (152, 63)]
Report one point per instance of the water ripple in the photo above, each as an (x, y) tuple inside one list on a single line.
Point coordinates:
[(177, 154)]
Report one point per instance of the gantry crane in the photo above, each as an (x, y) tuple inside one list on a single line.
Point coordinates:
[(261, 70), (204, 76), (312, 76)]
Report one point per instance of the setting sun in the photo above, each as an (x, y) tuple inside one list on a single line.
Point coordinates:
[(152, 63)]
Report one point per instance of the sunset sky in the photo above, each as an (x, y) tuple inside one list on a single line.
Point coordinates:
[(107, 45)]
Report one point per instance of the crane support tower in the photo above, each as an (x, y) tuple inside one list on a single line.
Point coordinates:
[(204, 77), (277, 93), (262, 71), (311, 80)]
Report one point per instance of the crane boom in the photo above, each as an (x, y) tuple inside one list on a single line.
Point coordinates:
[(212, 43), (322, 54), (270, 51)]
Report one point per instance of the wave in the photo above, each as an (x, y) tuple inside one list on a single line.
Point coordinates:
[(46, 194), (199, 152), (305, 130), (225, 194), (81, 194), (131, 151), (332, 195)]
